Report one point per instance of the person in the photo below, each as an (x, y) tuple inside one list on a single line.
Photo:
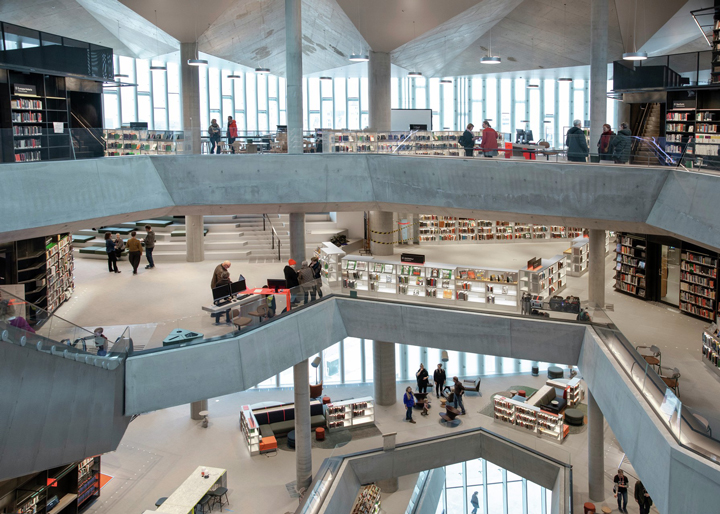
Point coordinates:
[(307, 281), (475, 502), (409, 401), (224, 279), (642, 497), (149, 246), (620, 490), (439, 379), (271, 304), (604, 142), (291, 279), (577, 144), (135, 251), (583, 315), (119, 246), (426, 406), (101, 342), (467, 140), (458, 392), (489, 140), (422, 379), (215, 136), (7, 314), (232, 133), (217, 274), (621, 145), (317, 269), (110, 250)]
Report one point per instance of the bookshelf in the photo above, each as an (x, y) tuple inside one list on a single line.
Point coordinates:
[(698, 284), (59, 271), (330, 257), (367, 500), (143, 142), (250, 429), (530, 418), (488, 286), (715, 72), (630, 265), (573, 391), (350, 413), (711, 349), (579, 256), (547, 280)]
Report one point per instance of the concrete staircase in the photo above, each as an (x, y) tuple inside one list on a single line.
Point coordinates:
[(258, 241), (644, 155)]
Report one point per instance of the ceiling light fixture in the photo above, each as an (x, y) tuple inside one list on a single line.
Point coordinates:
[(565, 79), (446, 81), (635, 55), (157, 67), (414, 74), (325, 78), (490, 58), (197, 61), (524, 121), (359, 57), (262, 71), (234, 76), (533, 86), (120, 75)]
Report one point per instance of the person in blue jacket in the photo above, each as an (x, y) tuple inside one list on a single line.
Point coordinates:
[(409, 401)]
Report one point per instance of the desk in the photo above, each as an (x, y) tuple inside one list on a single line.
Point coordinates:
[(216, 311), (192, 490)]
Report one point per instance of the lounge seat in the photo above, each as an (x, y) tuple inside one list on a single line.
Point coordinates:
[(98, 250), (117, 230), (183, 233), (82, 238), (471, 385), (154, 223)]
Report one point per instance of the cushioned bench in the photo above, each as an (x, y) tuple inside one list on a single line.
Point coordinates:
[(117, 230), (98, 250), (154, 223), (80, 238), (280, 420), (182, 233)]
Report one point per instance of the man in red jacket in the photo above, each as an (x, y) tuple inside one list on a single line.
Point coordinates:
[(231, 133)]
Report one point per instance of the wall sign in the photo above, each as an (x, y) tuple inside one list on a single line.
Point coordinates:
[(690, 103), (24, 89), (413, 258)]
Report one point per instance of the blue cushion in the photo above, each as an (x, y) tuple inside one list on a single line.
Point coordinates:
[(519, 398)]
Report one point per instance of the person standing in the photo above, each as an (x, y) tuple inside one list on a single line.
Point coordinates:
[(409, 401), (489, 140), (110, 249), (149, 246), (621, 145), (317, 269), (604, 142), (458, 392), (422, 379), (577, 143), (119, 245), (475, 502), (439, 378), (291, 279), (642, 497), (467, 140), (218, 273), (135, 251), (232, 133), (620, 490), (305, 277), (215, 135)]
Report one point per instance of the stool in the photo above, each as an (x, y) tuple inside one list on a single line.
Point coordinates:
[(319, 434), (535, 371), (521, 392), (326, 400), (160, 501), (555, 372), (574, 417), (216, 496), (513, 392), (589, 508), (241, 322), (606, 510), (205, 503), (291, 439)]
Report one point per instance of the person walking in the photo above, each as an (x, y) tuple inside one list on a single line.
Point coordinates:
[(135, 251), (489, 143), (232, 133), (422, 379), (317, 269), (475, 502), (218, 273), (620, 490), (307, 281), (458, 392), (110, 249), (439, 378), (467, 140), (604, 142), (215, 135), (149, 246), (621, 145), (409, 401), (642, 497), (119, 245), (577, 143)]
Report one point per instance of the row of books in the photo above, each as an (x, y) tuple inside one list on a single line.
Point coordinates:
[(25, 104)]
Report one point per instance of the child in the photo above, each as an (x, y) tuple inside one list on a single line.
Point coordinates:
[(426, 406)]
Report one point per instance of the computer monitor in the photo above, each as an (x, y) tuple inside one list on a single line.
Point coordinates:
[(520, 135), (528, 136), (277, 283), (221, 292), (238, 287)]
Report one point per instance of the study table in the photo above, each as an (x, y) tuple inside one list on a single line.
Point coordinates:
[(184, 499)]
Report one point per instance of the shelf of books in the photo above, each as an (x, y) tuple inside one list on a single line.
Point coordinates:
[(528, 417), (547, 279), (630, 260), (711, 348), (59, 271), (330, 257), (487, 286), (572, 389), (404, 143), (698, 284), (350, 413), (143, 142), (250, 429), (715, 72), (679, 130), (367, 501), (579, 256)]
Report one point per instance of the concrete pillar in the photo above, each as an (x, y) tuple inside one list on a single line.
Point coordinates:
[(381, 221), (379, 75), (388, 486), (190, 79), (303, 432), (293, 73), (598, 70), (596, 269), (416, 229), (194, 238), (196, 408), (384, 373), (596, 454), (297, 236)]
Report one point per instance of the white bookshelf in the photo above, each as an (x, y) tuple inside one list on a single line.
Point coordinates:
[(528, 418), (490, 286), (574, 392), (579, 255), (350, 413), (330, 257), (550, 279), (143, 142), (250, 429)]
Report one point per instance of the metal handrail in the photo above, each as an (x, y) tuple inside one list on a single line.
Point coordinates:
[(273, 235), (639, 126), (84, 125)]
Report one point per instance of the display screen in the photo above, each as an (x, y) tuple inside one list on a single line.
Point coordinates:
[(221, 292), (277, 284), (238, 287)]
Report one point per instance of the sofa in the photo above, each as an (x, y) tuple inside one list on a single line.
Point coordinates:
[(471, 385), (280, 420), (542, 398)]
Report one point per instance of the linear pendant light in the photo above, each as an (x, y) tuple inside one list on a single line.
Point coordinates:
[(446, 81), (233, 75), (325, 78), (635, 56), (414, 74), (565, 79), (157, 67), (489, 58), (262, 71), (197, 61), (359, 57), (120, 75)]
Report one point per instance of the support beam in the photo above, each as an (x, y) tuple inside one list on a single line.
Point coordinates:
[(195, 238), (598, 70), (384, 373), (190, 76), (596, 454), (381, 235), (303, 442), (379, 75), (293, 70), (297, 236), (596, 269)]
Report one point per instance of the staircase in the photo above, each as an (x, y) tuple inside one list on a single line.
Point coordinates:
[(643, 154), (258, 241)]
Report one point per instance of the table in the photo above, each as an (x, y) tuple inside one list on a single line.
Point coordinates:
[(216, 311), (192, 490)]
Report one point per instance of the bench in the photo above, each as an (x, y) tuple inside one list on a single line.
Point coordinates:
[(153, 223), (183, 233), (117, 230), (80, 238), (98, 250)]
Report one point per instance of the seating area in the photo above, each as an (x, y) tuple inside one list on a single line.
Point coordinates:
[(97, 250), (279, 421)]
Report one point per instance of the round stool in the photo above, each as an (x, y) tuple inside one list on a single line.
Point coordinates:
[(606, 510), (589, 508), (574, 417), (291, 439), (555, 372), (535, 371), (522, 393), (513, 392), (319, 434), (326, 400)]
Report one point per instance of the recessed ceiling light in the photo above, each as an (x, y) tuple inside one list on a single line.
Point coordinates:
[(490, 60), (197, 62), (635, 56), (359, 58), (262, 71)]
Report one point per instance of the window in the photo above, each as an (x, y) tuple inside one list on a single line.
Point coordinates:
[(368, 360), (448, 108), (331, 365), (435, 87), (145, 109), (204, 108), (491, 104), (110, 108), (251, 102), (352, 350), (143, 74), (340, 100), (476, 114), (395, 93)]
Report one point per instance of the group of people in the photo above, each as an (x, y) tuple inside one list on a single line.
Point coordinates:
[(307, 278), (115, 247), (215, 133), (642, 497), (611, 146), (439, 377), (488, 140)]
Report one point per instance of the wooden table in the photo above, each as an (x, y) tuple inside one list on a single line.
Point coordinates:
[(192, 490)]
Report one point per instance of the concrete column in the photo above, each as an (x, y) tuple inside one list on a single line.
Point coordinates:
[(190, 79), (416, 229), (194, 238), (388, 486), (596, 454), (379, 75), (381, 221), (303, 432), (196, 408), (297, 236), (293, 72), (384, 373), (598, 70), (596, 269)]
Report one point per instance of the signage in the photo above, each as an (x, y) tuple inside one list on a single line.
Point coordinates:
[(413, 258), (24, 89), (138, 125), (689, 103), (534, 263)]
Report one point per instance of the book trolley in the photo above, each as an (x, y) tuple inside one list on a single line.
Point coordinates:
[(250, 429)]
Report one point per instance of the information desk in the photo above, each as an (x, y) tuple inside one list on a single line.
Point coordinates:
[(216, 311), (185, 497)]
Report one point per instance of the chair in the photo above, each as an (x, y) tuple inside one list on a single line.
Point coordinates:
[(221, 147), (672, 380), (260, 313), (316, 390), (160, 501), (204, 503), (216, 496), (239, 321), (251, 148), (653, 359), (236, 146)]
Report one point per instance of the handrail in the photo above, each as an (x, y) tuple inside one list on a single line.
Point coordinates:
[(273, 235), (84, 125), (638, 126), (402, 143)]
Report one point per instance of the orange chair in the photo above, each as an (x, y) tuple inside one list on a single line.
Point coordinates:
[(589, 508)]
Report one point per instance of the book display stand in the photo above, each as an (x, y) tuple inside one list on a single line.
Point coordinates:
[(530, 418), (579, 256), (250, 429), (330, 257), (143, 142), (547, 280), (350, 413)]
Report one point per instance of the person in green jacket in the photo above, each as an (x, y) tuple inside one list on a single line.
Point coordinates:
[(621, 145)]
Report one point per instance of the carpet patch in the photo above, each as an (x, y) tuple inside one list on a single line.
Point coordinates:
[(104, 479), (489, 409), (335, 438)]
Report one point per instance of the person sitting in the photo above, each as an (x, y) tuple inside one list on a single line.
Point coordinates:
[(426, 406), (101, 342), (7, 314), (271, 304)]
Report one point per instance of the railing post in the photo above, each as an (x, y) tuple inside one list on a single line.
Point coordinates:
[(279, 258), (263, 223)]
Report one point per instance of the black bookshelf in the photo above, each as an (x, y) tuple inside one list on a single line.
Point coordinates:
[(631, 265), (698, 284)]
